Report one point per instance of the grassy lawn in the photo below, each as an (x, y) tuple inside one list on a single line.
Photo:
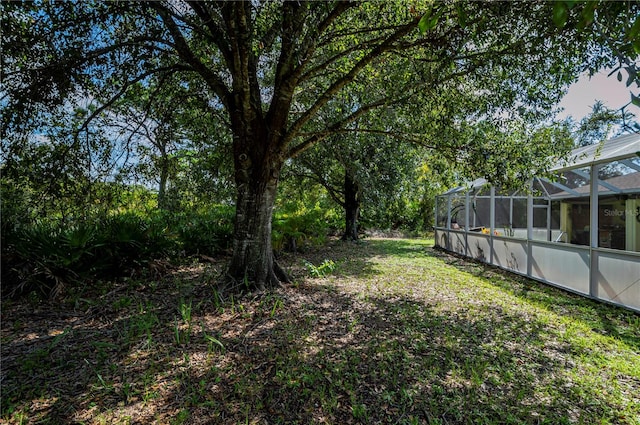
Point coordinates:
[(385, 331)]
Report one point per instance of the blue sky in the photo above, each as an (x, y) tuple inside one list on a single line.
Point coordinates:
[(583, 94)]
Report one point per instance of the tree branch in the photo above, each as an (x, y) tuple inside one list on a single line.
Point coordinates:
[(345, 80), (122, 91), (185, 53), (216, 35), (336, 127), (309, 45), (318, 178), (285, 82), (344, 53)]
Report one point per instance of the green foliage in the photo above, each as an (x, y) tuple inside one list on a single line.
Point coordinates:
[(182, 332), (560, 13), (141, 324), (612, 25), (599, 125), (204, 232), (315, 70), (508, 153), (49, 256), (428, 21), (302, 218), (291, 231), (325, 268)]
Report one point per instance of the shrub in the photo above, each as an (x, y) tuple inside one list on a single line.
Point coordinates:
[(33, 258), (47, 257), (293, 229), (324, 269), (206, 232)]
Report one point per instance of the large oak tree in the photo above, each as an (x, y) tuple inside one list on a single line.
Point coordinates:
[(271, 71)]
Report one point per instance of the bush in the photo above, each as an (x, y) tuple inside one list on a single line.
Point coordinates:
[(47, 257), (33, 259), (126, 241), (207, 232), (293, 229)]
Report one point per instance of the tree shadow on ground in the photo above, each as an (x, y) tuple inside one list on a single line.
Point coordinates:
[(607, 319), (310, 353)]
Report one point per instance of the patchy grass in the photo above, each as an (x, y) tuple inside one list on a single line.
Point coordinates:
[(387, 331)]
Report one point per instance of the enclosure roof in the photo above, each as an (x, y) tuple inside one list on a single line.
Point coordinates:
[(616, 149), (627, 146), (625, 184)]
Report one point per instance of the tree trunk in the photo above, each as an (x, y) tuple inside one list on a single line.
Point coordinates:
[(351, 207), (162, 186), (253, 265), (259, 151)]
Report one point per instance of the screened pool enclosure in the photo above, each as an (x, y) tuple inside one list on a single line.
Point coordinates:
[(579, 230)]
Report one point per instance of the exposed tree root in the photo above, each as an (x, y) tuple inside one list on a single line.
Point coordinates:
[(281, 275), (230, 284)]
